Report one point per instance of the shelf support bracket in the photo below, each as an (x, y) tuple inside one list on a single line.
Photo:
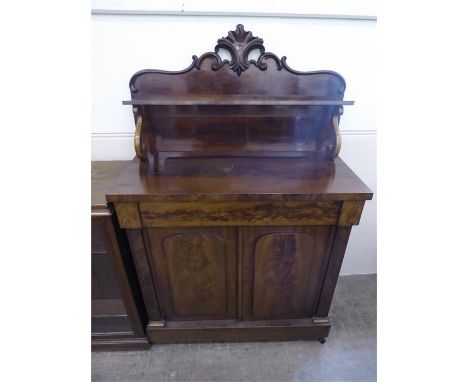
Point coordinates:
[(137, 140), (334, 150)]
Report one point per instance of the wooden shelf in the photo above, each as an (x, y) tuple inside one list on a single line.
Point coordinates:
[(199, 101)]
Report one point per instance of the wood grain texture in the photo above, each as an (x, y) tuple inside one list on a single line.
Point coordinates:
[(128, 215), (240, 179), (282, 269), (103, 174), (332, 271), (210, 75), (240, 106), (238, 330), (196, 270), (196, 266), (186, 214), (107, 307), (145, 277), (334, 150), (350, 213), (239, 211), (137, 141), (119, 344), (233, 101)]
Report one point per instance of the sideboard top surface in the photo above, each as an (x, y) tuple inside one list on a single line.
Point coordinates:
[(241, 179), (103, 173)]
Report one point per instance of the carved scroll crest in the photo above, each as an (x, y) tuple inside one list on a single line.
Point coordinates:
[(212, 75), (239, 43)]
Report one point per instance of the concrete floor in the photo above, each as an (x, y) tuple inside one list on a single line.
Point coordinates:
[(348, 355)]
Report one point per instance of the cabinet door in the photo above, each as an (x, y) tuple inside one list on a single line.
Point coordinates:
[(196, 271), (282, 268)]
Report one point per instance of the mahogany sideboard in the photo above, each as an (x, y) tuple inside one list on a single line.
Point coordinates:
[(118, 316), (237, 207), (235, 249)]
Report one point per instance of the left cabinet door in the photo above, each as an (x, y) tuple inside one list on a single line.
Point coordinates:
[(196, 271)]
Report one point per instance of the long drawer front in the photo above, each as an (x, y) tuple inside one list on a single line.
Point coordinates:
[(189, 214)]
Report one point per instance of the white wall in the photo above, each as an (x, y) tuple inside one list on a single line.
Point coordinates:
[(125, 43)]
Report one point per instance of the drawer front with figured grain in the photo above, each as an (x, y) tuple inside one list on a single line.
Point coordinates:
[(190, 214)]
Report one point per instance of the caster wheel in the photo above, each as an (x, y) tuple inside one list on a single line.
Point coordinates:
[(322, 340)]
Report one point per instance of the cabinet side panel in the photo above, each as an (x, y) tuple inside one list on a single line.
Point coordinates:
[(333, 270), (144, 273)]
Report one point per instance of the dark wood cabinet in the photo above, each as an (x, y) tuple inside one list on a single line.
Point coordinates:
[(196, 269), (281, 270), (237, 207), (220, 259), (118, 317)]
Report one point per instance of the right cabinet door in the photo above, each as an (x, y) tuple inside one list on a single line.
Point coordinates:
[(282, 270)]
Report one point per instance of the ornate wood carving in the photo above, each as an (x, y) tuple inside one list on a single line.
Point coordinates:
[(239, 43), (236, 107)]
